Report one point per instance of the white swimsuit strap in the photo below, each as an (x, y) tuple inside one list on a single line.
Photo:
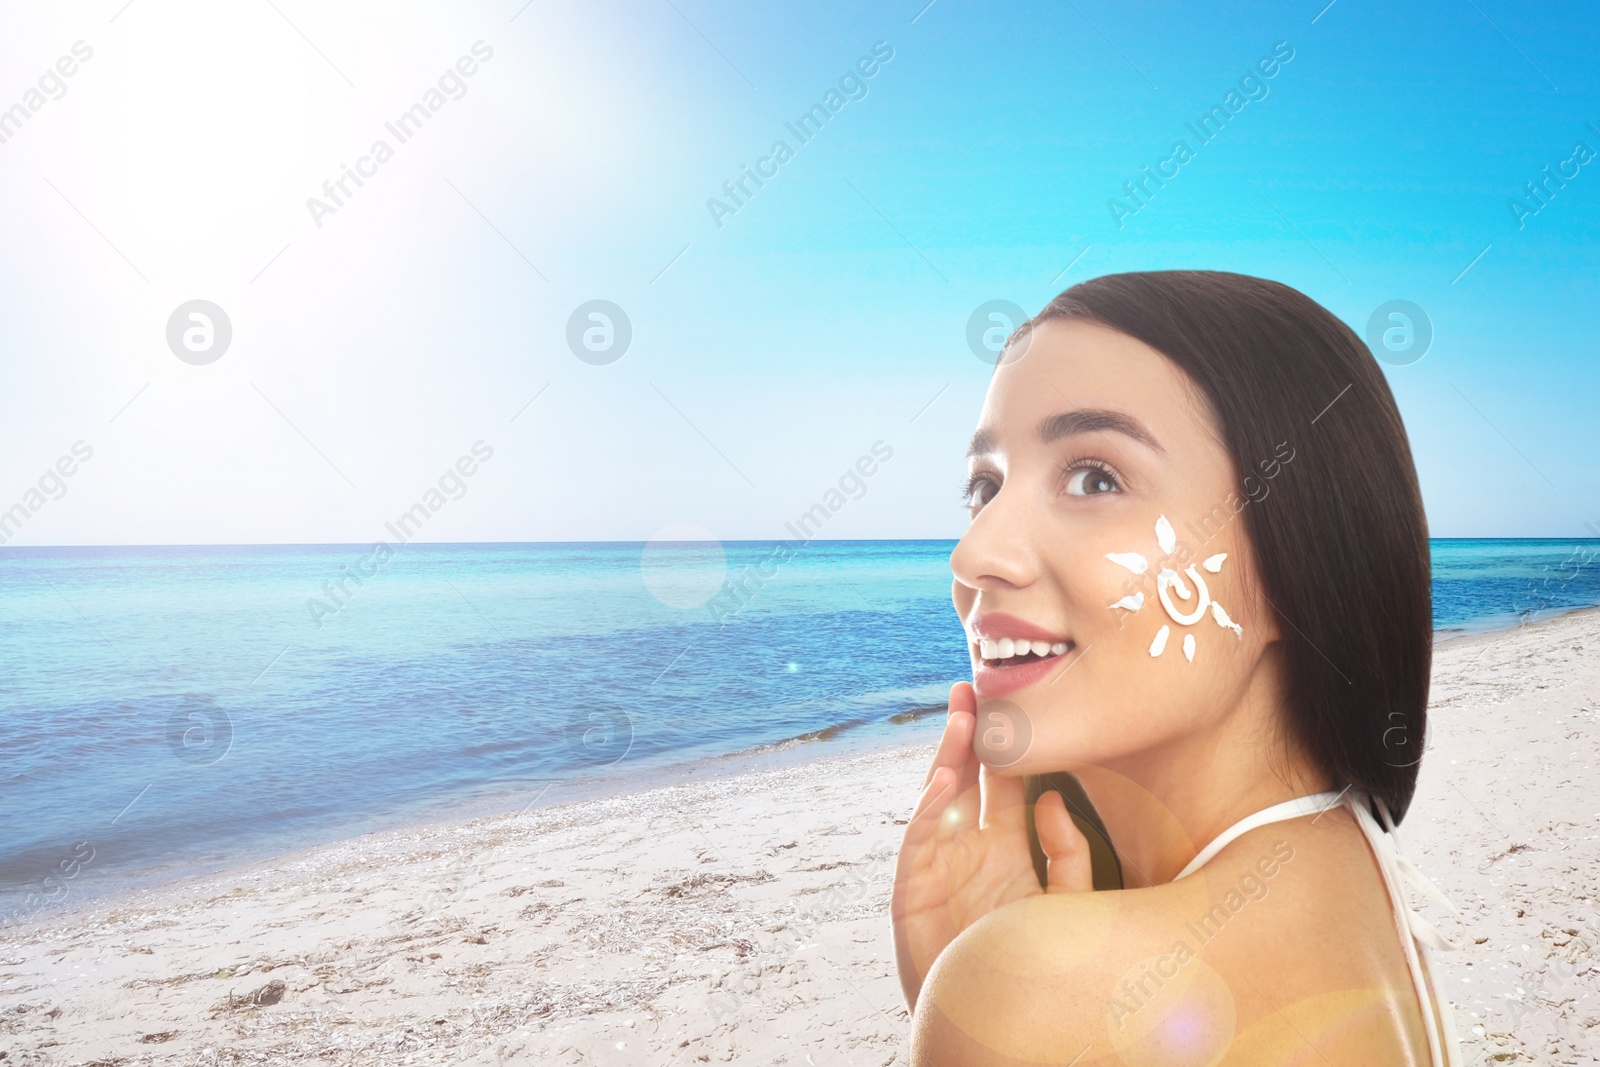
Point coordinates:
[(1289, 809), (1418, 935)]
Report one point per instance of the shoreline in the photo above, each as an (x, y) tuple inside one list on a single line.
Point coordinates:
[(1455, 635), (495, 798), (326, 943), (815, 746), (743, 916), (676, 778)]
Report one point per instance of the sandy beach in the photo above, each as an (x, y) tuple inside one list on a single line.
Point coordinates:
[(744, 918)]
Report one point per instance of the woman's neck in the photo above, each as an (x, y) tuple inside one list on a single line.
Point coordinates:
[(1163, 806)]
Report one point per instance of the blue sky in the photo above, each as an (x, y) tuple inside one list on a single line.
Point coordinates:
[(373, 346)]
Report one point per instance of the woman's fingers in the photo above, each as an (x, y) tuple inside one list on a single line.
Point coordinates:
[(1004, 801), (964, 709), (953, 749), (936, 795), (1070, 869), (923, 828)]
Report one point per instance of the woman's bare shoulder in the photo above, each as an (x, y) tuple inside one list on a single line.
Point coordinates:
[(1282, 940), (1036, 981)]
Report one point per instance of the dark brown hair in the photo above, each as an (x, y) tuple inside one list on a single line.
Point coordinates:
[(1340, 542)]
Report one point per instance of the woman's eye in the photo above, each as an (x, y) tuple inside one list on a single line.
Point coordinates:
[(1090, 481), (980, 491)]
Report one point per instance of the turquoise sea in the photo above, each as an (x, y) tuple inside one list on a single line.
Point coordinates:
[(164, 710)]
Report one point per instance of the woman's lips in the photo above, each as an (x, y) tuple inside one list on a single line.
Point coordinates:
[(996, 676), (993, 682), (997, 624)]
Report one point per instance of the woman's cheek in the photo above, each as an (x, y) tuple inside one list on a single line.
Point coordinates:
[(1119, 596), (1183, 614)]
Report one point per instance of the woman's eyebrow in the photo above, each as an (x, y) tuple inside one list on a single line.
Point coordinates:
[(1095, 420), (1066, 423)]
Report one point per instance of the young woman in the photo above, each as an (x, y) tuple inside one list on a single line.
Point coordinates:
[(1196, 581)]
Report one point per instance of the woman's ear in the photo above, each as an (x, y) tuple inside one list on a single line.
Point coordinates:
[(1271, 631)]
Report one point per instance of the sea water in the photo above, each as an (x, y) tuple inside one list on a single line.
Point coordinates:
[(165, 710)]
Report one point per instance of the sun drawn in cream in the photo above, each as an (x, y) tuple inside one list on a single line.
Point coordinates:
[(1168, 580)]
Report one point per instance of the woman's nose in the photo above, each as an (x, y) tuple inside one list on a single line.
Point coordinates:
[(996, 552)]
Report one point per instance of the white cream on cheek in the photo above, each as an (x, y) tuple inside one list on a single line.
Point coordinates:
[(1131, 560), (1168, 579), (1222, 620)]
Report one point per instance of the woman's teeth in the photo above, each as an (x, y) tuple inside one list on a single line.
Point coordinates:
[(1009, 648)]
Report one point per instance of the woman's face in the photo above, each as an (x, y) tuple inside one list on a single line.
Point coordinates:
[(1098, 485)]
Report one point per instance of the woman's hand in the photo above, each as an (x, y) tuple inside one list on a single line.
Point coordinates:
[(965, 851)]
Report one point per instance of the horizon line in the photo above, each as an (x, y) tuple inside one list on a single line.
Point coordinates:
[(703, 541)]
